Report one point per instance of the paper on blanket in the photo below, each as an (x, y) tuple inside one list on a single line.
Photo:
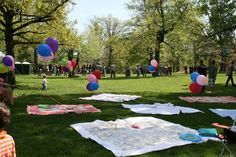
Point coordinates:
[(123, 140), (60, 109), (209, 99), (225, 113), (157, 108), (112, 97)]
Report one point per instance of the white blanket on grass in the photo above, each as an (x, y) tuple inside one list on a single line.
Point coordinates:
[(157, 108), (225, 113), (123, 140), (112, 97)]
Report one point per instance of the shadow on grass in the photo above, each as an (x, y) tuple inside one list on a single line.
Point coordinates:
[(52, 135)]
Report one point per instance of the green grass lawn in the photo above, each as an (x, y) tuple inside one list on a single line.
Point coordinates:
[(46, 136)]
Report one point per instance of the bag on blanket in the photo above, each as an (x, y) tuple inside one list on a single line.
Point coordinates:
[(209, 132)]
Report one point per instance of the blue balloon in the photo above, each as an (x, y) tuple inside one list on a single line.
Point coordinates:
[(89, 87), (194, 76), (44, 50), (94, 85), (151, 68)]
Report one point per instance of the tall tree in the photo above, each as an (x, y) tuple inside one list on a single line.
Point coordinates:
[(159, 18), (221, 20), (18, 17), (111, 28)]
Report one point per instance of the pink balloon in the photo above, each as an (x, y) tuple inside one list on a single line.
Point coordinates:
[(48, 58), (202, 80), (154, 63), (12, 68), (92, 78), (1, 90), (69, 64)]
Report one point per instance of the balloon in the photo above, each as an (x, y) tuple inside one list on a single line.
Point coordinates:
[(97, 74), (65, 69), (44, 50), (151, 69), (202, 80), (154, 63), (89, 87), (12, 68), (3, 68), (94, 85), (73, 63), (195, 88), (7, 61), (1, 80), (1, 90), (11, 58), (48, 58), (63, 61), (194, 76), (69, 65), (92, 78), (53, 43)]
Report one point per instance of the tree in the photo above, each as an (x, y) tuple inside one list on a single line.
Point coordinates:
[(111, 29), (221, 19), (17, 17), (158, 18)]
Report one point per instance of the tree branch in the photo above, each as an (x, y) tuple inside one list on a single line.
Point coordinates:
[(44, 18), (25, 32)]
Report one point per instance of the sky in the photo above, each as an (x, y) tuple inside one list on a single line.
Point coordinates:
[(87, 9)]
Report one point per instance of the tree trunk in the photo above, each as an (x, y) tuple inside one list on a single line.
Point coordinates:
[(9, 43), (36, 67), (110, 56)]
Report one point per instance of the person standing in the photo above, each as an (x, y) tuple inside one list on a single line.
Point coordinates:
[(229, 73), (127, 70), (137, 70), (113, 70), (212, 73), (202, 70)]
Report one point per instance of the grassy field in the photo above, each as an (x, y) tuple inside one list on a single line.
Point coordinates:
[(52, 136)]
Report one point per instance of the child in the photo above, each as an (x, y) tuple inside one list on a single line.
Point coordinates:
[(7, 144), (44, 82)]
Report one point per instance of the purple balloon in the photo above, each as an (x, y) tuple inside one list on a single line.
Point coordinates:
[(7, 61), (53, 43), (66, 69)]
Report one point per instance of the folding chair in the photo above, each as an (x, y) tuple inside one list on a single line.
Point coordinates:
[(229, 134)]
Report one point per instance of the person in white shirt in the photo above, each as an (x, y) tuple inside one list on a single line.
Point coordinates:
[(44, 83)]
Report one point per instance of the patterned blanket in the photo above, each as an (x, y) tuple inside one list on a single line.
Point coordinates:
[(60, 109), (210, 99), (134, 136)]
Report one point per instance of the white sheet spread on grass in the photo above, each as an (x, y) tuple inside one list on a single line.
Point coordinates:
[(123, 140), (112, 97), (225, 113), (157, 108)]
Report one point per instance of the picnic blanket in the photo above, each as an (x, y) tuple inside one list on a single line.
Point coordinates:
[(60, 109), (225, 113), (157, 108), (134, 136), (210, 99), (111, 97)]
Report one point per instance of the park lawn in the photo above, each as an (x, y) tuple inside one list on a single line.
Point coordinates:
[(46, 136)]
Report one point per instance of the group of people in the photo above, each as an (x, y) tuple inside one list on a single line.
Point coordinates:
[(212, 73)]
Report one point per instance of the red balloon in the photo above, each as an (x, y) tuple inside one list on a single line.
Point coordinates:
[(73, 63), (97, 73), (195, 88)]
